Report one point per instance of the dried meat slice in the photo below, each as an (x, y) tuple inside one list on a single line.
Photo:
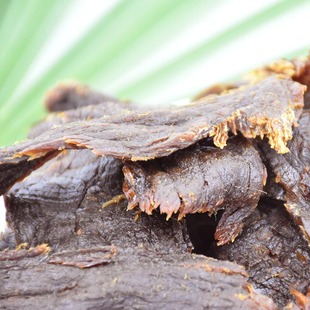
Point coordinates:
[(136, 280), (75, 102), (270, 108), (200, 179), (292, 172)]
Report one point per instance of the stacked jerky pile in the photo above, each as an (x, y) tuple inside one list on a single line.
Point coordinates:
[(231, 166)]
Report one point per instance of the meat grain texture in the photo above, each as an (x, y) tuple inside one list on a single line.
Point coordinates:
[(231, 166)]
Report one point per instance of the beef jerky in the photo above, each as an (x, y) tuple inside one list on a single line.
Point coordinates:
[(292, 172), (60, 204), (72, 95), (200, 179), (272, 251), (253, 111), (75, 102), (84, 113), (133, 280)]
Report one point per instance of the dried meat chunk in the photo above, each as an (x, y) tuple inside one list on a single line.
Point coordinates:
[(270, 108), (273, 251), (74, 102), (297, 69), (200, 179), (292, 172), (61, 204), (136, 280)]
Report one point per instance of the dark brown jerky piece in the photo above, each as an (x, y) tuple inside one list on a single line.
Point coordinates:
[(292, 172), (200, 179), (75, 102), (136, 280), (60, 204), (273, 252), (253, 110), (83, 113), (73, 95), (7, 239), (83, 98)]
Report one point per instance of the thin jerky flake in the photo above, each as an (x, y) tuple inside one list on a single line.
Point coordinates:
[(254, 111), (200, 179)]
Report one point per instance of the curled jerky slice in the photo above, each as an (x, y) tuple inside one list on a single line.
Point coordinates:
[(200, 179)]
